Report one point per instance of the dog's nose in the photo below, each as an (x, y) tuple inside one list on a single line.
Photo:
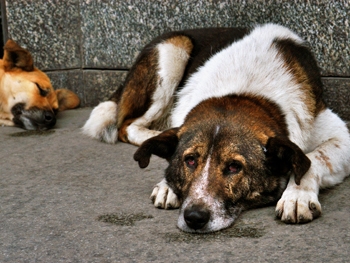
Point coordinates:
[(196, 217), (49, 118)]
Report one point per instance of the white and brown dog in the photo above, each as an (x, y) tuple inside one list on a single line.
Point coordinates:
[(27, 98), (243, 120)]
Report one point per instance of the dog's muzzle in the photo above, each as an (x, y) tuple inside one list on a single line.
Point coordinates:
[(33, 118)]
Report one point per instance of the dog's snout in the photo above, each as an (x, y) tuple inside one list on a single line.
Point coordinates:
[(196, 217), (49, 116)]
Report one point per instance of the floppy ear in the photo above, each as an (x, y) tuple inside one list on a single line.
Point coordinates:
[(162, 145), (17, 57), (283, 156), (67, 99)]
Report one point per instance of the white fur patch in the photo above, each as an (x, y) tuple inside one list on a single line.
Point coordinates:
[(329, 149), (102, 123), (138, 133), (28, 125)]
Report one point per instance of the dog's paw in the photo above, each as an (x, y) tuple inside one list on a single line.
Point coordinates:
[(298, 206), (102, 123), (164, 197)]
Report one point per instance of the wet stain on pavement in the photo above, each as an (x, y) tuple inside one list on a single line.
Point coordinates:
[(232, 232), (122, 219), (32, 133)]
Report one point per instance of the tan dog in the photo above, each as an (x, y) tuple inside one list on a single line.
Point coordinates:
[(27, 98)]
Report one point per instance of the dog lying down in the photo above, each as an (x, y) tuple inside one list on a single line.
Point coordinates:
[(240, 118), (27, 98)]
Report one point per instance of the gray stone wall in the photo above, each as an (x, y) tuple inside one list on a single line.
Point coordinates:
[(88, 45)]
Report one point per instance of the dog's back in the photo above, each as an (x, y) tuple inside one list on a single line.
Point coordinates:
[(271, 62)]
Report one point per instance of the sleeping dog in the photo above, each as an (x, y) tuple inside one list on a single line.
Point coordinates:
[(239, 116), (27, 98)]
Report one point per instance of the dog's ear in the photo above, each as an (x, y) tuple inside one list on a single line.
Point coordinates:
[(283, 156), (17, 57), (162, 145), (67, 99)]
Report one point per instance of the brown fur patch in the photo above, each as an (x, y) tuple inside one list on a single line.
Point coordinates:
[(260, 116), (181, 42), (325, 159), (17, 57), (300, 62), (122, 133), (139, 87), (67, 99)]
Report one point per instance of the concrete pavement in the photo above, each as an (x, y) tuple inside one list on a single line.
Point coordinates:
[(67, 198)]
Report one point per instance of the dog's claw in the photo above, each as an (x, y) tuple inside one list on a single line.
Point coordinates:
[(314, 210), (289, 220), (312, 206), (278, 213)]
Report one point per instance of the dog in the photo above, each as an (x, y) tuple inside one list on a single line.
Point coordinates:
[(239, 116), (27, 98)]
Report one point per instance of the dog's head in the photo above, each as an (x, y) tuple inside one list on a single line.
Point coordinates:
[(27, 97), (219, 166)]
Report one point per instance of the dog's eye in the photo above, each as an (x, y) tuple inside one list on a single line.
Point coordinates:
[(191, 161), (233, 168), (42, 91)]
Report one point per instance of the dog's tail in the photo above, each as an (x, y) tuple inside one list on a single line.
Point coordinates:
[(102, 123)]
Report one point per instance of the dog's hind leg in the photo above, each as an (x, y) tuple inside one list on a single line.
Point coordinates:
[(172, 56), (146, 96), (329, 153)]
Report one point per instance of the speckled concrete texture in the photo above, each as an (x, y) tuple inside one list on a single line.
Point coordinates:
[(57, 186), (92, 86), (127, 26), (50, 29), (337, 95), (100, 86), (70, 79), (109, 34)]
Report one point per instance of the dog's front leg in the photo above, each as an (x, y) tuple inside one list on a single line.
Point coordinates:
[(6, 123), (299, 203), (164, 197), (330, 164), (6, 119)]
